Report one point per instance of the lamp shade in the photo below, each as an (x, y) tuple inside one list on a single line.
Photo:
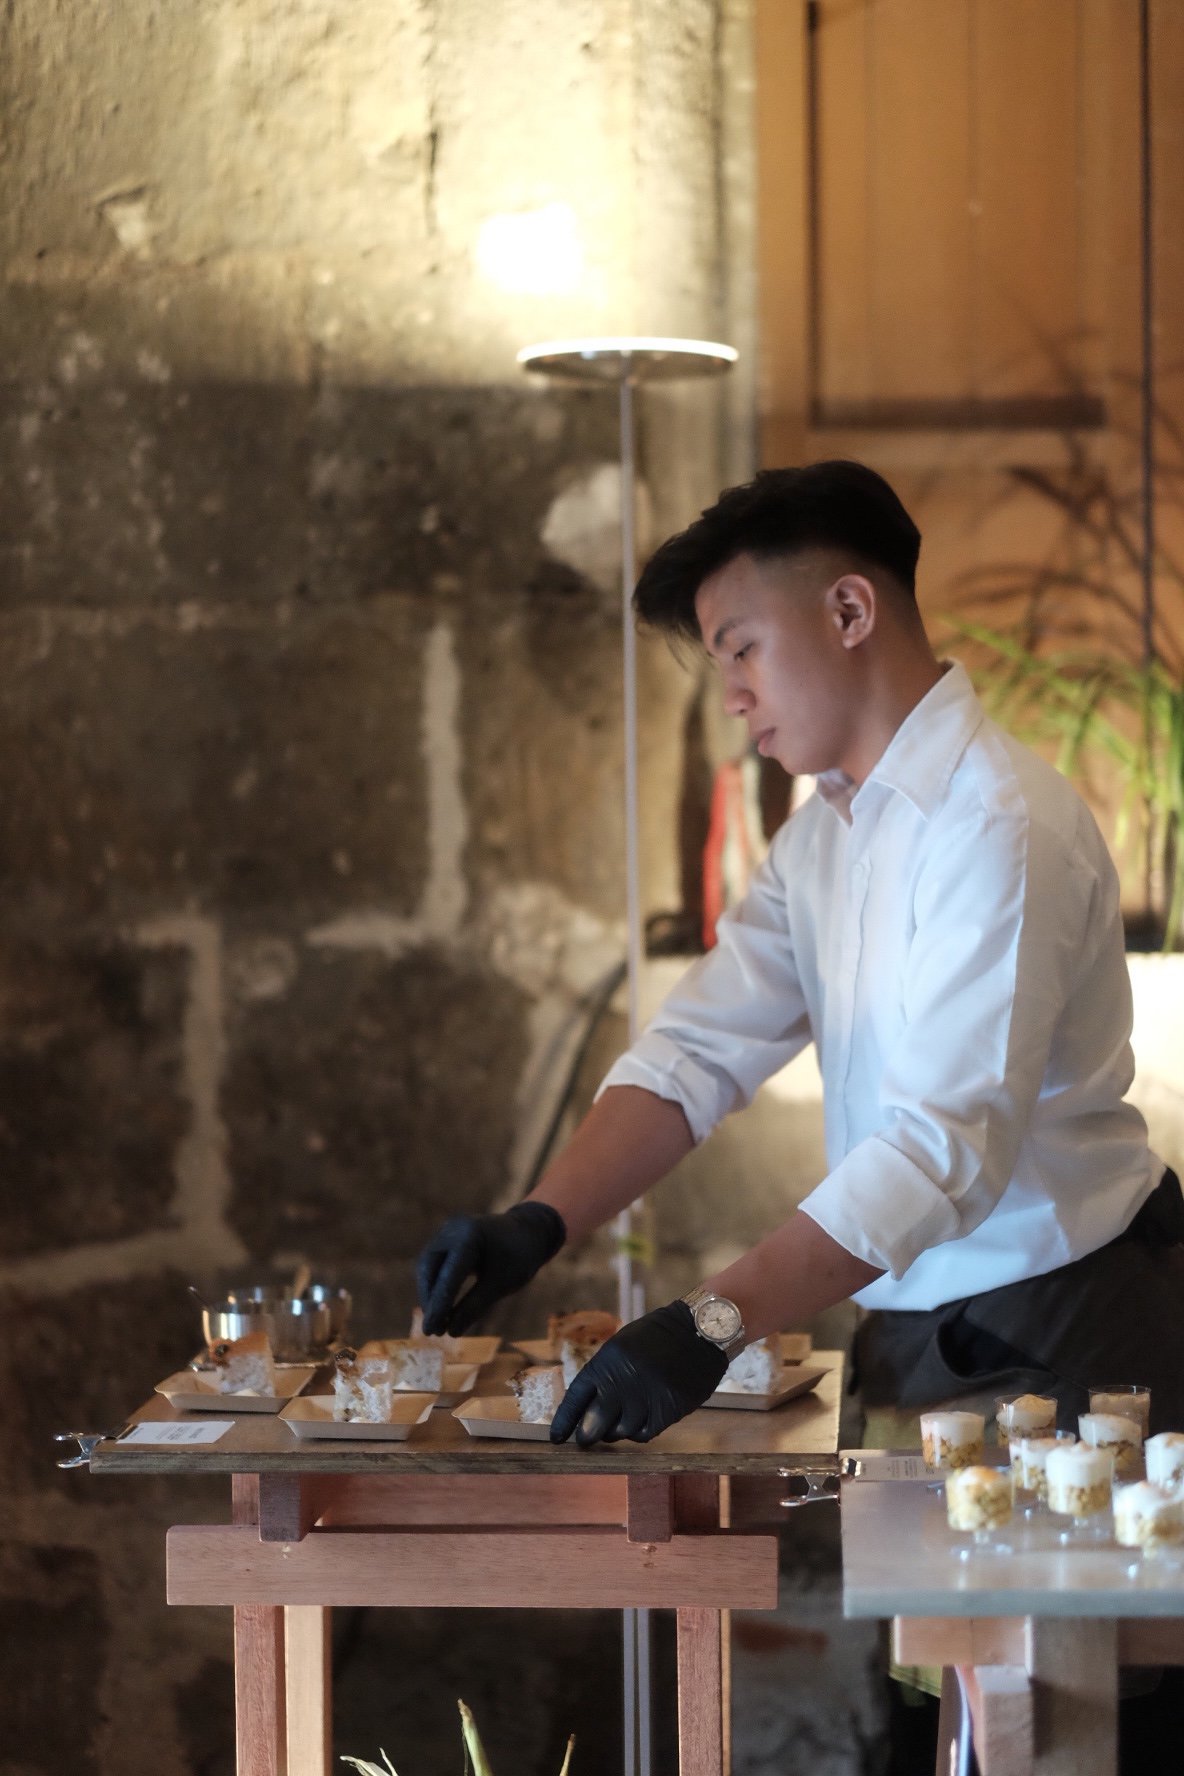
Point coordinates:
[(628, 358)]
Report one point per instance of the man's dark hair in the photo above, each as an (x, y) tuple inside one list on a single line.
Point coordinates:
[(838, 505)]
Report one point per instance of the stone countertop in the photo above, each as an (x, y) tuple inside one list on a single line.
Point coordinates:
[(899, 1560)]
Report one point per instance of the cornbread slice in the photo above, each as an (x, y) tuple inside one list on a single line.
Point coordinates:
[(536, 1394), (243, 1365), (362, 1388), (576, 1337)]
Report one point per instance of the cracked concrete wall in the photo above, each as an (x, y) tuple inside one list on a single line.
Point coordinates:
[(310, 751)]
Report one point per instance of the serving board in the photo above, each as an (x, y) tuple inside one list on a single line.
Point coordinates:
[(189, 1393), (313, 1417), (705, 1442)]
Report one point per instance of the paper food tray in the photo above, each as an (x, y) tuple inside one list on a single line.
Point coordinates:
[(794, 1381), (496, 1415), (189, 1393), (471, 1352), (313, 1417), (535, 1350), (455, 1383)]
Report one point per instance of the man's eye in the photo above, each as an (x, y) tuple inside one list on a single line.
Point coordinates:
[(746, 649)]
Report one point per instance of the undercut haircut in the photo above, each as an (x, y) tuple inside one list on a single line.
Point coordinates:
[(833, 505)]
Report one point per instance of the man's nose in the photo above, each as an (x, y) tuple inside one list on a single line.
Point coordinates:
[(738, 699)]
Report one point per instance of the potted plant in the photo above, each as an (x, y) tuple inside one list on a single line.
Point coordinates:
[(1064, 657), (476, 1762)]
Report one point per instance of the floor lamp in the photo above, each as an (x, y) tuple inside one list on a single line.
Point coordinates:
[(629, 363)]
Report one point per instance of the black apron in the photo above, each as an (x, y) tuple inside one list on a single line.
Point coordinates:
[(1116, 1315)]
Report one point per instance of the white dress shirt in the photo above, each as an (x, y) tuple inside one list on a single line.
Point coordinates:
[(949, 937)]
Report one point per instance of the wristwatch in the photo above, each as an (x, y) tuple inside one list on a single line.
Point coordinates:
[(717, 1319)]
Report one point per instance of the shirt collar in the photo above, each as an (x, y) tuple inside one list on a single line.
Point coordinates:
[(923, 753)]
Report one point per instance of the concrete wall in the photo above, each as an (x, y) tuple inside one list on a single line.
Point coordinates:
[(310, 777)]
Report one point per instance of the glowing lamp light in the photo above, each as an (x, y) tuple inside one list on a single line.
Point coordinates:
[(532, 252)]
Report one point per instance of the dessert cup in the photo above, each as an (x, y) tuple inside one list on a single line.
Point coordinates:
[(1150, 1518), (979, 1503), (1029, 1457), (1023, 1415), (1080, 1479), (1122, 1436), (1164, 1458), (1123, 1399), (951, 1440)]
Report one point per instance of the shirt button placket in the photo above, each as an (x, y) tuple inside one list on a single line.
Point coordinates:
[(852, 951)]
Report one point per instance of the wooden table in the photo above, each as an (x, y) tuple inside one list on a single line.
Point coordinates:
[(450, 1521), (1038, 1636)]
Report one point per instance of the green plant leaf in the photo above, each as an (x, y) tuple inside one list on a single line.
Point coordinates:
[(1087, 704), (475, 1758)]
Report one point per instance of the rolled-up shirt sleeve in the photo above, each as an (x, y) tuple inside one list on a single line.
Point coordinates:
[(735, 1018), (1002, 912)]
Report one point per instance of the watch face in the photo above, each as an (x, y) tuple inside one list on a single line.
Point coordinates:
[(718, 1320)]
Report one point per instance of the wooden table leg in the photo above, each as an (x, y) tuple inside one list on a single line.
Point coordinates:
[(260, 1677), (308, 1636), (1074, 1665), (260, 1690), (704, 1663), (701, 1734)]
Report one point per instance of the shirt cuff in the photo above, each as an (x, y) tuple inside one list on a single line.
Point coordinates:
[(883, 1208), (660, 1066)]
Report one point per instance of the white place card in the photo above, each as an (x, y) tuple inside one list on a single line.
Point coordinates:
[(207, 1431), (882, 1464)]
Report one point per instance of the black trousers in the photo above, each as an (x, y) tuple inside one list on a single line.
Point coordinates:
[(1115, 1315)]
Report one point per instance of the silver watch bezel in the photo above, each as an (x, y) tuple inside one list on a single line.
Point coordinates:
[(699, 1297)]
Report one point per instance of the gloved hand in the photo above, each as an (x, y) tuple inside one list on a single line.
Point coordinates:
[(647, 1376), (501, 1252)]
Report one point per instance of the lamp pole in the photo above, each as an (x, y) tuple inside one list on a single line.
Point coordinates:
[(629, 362)]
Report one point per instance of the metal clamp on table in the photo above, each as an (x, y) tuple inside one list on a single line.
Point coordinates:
[(821, 1485)]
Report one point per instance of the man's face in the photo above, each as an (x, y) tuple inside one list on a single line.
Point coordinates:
[(777, 633)]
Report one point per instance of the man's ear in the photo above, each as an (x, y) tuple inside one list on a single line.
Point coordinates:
[(851, 607)]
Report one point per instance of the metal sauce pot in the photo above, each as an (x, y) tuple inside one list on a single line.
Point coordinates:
[(299, 1330), (338, 1301)]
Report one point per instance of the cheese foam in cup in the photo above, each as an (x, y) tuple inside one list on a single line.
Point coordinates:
[(1147, 1516), (1164, 1456), (951, 1440), (1122, 1436), (1123, 1399), (1079, 1479), (1023, 1415)]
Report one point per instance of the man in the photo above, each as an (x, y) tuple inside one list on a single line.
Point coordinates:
[(942, 920)]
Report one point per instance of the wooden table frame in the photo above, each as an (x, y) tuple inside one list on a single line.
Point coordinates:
[(444, 1520), (299, 1545)]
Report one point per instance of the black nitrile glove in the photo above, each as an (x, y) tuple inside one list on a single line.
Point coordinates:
[(501, 1253), (647, 1376)]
